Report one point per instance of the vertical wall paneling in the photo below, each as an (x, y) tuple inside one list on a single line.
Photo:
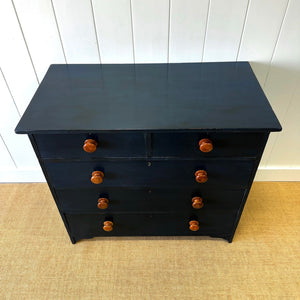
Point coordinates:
[(18, 145), (287, 144), (224, 29), (150, 30), (187, 30), (41, 33), (14, 58), (282, 89), (5, 158), (113, 23), (76, 26), (261, 31)]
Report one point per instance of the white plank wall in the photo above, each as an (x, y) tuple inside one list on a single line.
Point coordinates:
[(15, 60), (150, 20), (224, 29), (282, 88), (262, 26), (41, 33), (18, 145), (6, 160), (187, 30), (114, 30), (37, 33), (76, 26)]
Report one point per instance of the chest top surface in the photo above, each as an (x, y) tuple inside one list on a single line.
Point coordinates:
[(185, 96)]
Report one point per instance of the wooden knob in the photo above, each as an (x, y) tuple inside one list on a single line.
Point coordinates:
[(90, 145), (197, 202), (194, 225), (97, 177), (108, 226), (201, 176), (205, 145), (102, 203)]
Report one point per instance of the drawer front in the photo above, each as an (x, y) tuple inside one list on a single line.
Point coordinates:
[(148, 200), (108, 145), (228, 174), (186, 144), (91, 225)]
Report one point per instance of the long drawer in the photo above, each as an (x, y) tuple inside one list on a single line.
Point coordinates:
[(220, 173), (90, 225), (148, 199)]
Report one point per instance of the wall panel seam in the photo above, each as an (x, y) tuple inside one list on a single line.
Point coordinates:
[(25, 42), (283, 121), (268, 72), (59, 35), (169, 26), (10, 92), (206, 27), (95, 30), (8, 151), (243, 30), (276, 43), (132, 33)]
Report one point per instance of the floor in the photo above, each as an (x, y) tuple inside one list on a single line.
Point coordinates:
[(38, 261)]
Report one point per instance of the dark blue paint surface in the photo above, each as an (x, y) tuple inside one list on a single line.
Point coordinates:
[(189, 96)]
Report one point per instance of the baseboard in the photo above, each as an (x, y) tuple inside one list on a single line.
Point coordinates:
[(276, 174), (21, 175), (36, 175)]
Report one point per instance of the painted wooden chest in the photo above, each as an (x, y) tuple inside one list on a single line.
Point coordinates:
[(149, 149)]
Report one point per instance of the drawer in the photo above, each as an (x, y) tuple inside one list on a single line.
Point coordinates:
[(148, 200), (221, 173), (91, 225), (186, 144), (108, 145)]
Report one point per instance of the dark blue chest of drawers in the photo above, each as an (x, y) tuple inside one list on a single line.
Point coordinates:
[(150, 149)]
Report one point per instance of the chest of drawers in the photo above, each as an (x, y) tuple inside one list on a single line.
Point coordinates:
[(150, 149)]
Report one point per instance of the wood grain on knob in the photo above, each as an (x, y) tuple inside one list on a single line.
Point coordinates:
[(102, 203), (97, 177), (194, 225), (205, 145), (108, 226), (201, 176), (90, 145), (197, 202)]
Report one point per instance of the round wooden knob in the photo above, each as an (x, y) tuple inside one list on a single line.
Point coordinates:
[(201, 176), (90, 145), (102, 203), (97, 177), (194, 225), (197, 202), (205, 145), (108, 226)]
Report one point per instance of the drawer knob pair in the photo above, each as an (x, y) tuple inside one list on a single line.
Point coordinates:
[(97, 177), (90, 146), (205, 145), (194, 225), (108, 226), (102, 203), (201, 176)]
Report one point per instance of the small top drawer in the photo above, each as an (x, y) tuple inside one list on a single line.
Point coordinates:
[(201, 144), (82, 146)]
